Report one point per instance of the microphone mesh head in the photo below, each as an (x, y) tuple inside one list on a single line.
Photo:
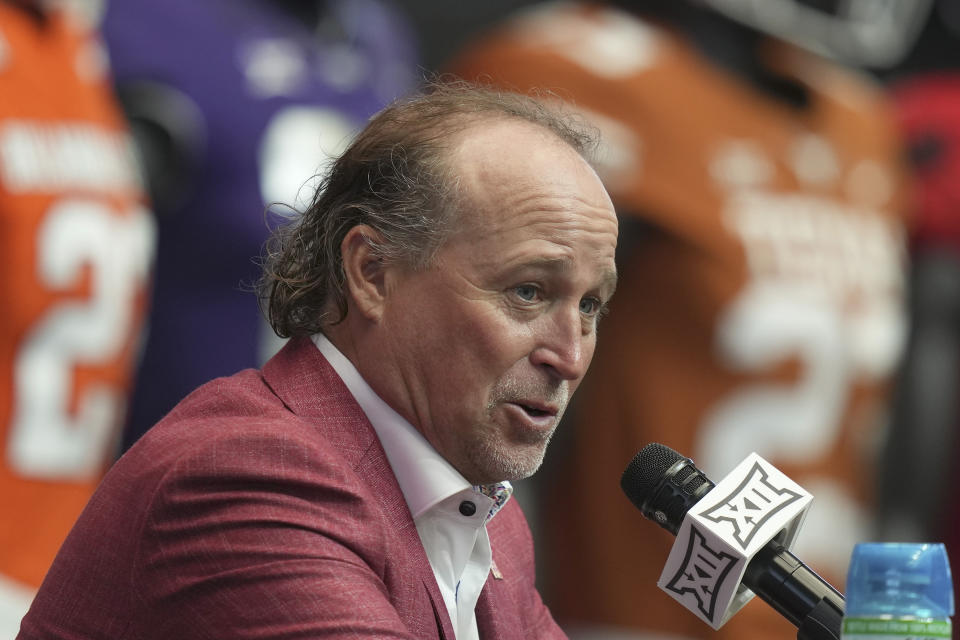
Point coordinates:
[(645, 472), (663, 485)]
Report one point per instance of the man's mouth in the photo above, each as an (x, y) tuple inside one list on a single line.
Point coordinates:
[(536, 411), (533, 420)]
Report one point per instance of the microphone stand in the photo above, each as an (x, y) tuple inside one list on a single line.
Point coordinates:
[(823, 622), (793, 589)]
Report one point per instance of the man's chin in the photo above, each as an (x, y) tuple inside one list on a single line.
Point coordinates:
[(497, 466)]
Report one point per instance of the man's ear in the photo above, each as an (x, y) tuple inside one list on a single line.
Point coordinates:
[(364, 271)]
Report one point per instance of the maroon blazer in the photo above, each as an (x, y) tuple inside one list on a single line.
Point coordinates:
[(263, 506)]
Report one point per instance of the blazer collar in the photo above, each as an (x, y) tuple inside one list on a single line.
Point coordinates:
[(304, 380)]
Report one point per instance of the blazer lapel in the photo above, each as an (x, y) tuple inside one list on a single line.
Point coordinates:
[(444, 626), (309, 386), (494, 619)]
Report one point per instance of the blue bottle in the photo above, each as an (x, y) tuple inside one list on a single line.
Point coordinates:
[(898, 591)]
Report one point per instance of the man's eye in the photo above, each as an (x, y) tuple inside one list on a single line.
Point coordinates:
[(526, 292), (589, 306)]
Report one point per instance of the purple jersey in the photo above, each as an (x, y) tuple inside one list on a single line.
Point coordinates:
[(264, 101)]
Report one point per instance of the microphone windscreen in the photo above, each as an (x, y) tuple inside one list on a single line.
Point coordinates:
[(663, 485), (647, 469)]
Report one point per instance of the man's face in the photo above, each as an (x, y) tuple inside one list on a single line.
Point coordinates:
[(491, 341)]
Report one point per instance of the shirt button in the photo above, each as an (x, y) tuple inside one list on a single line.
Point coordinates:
[(467, 508)]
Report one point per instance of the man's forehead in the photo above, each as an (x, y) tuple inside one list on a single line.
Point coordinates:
[(506, 154), (519, 182)]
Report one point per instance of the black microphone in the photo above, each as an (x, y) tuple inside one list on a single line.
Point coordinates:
[(664, 485)]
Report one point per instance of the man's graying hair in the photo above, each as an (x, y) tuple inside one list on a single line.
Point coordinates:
[(394, 177)]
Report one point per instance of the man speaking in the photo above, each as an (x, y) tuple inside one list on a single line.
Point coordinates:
[(442, 293)]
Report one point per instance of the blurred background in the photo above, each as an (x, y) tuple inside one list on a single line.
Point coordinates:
[(787, 180)]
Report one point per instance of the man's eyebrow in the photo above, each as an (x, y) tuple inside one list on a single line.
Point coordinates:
[(551, 263), (608, 282)]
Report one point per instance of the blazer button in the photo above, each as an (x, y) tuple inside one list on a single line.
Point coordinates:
[(468, 508)]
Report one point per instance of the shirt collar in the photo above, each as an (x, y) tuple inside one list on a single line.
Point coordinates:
[(424, 476)]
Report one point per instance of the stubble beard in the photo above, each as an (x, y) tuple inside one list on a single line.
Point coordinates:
[(501, 452)]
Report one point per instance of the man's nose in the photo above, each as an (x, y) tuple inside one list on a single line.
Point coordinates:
[(564, 347)]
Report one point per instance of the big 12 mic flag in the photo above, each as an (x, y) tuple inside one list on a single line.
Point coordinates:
[(721, 532)]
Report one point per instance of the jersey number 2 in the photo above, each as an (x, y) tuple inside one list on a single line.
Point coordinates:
[(60, 430)]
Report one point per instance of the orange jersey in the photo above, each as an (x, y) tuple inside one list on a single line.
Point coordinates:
[(759, 302), (76, 245)]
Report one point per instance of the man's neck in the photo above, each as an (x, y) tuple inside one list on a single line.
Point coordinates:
[(342, 339)]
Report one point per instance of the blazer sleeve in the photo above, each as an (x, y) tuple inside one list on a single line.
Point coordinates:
[(263, 535)]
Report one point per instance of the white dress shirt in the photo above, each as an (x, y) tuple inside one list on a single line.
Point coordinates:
[(449, 513)]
